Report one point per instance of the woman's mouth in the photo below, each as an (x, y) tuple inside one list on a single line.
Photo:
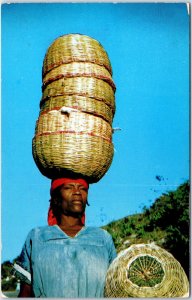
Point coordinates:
[(77, 201)]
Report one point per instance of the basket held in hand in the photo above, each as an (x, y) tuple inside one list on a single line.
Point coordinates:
[(145, 271)]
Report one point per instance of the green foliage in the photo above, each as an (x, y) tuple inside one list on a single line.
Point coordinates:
[(8, 281), (9, 285), (171, 208)]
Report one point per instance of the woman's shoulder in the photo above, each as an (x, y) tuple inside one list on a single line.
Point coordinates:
[(40, 232), (99, 231), (39, 229)]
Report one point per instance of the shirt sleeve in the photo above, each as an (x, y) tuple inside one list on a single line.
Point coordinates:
[(111, 248), (113, 252), (22, 266)]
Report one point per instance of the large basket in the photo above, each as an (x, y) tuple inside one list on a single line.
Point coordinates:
[(72, 142), (78, 69), (83, 104), (82, 86), (70, 120), (146, 271), (75, 48)]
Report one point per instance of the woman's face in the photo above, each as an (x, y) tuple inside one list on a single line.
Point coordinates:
[(74, 198)]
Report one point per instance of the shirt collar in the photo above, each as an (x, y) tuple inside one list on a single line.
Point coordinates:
[(54, 233)]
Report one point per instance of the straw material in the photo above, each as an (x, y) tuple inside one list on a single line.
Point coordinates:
[(76, 69), (75, 48), (72, 141), (82, 86), (73, 134), (83, 104), (145, 271), (71, 120)]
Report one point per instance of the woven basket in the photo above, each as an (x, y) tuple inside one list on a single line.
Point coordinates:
[(75, 48), (72, 142), (78, 69), (68, 120), (83, 104), (82, 86), (145, 271)]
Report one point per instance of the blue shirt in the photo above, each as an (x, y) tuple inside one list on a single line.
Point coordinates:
[(61, 266)]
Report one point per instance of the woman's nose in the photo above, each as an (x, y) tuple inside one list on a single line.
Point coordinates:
[(76, 190)]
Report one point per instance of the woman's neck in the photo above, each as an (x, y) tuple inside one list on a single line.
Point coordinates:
[(70, 225)]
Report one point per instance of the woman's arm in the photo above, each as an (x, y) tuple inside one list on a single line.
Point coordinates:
[(25, 291)]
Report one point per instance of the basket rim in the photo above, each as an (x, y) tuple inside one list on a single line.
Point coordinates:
[(47, 98), (71, 75), (94, 113), (109, 140)]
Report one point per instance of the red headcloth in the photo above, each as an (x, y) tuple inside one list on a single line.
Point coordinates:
[(60, 181), (51, 219)]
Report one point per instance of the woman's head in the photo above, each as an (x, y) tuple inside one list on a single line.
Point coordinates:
[(68, 197)]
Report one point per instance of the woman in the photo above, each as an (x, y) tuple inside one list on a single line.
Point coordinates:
[(65, 259)]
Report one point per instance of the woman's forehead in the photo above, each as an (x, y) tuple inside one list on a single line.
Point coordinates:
[(73, 184)]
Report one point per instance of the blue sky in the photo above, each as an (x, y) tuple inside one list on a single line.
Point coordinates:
[(148, 46)]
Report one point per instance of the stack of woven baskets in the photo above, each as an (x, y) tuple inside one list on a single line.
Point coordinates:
[(73, 134)]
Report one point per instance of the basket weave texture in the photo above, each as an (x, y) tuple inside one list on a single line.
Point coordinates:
[(75, 48), (72, 141), (76, 69), (67, 120), (73, 133), (82, 86), (145, 271), (83, 104)]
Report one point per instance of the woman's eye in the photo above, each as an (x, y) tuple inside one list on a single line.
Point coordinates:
[(67, 188), (83, 189)]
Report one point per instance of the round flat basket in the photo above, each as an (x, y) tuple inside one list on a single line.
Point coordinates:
[(72, 142), (145, 271), (81, 103), (78, 69), (82, 86), (75, 48)]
